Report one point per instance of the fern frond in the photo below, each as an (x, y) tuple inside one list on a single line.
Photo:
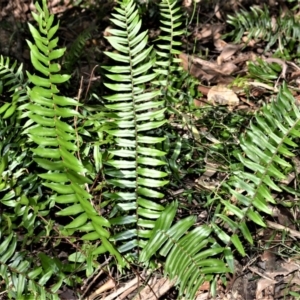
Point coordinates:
[(50, 115), (258, 24), (15, 270), (263, 71), (15, 80), (267, 149), (189, 251), (22, 275), (167, 47), (76, 49), (135, 113)]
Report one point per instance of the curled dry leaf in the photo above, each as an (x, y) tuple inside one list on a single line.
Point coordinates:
[(228, 68), (16, 9)]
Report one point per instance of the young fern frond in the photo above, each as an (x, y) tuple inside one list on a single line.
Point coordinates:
[(167, 47), (267, 151), (50, 115), (133, 168)]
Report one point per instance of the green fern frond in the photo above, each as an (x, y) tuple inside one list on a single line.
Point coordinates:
[(258, 24), (21, 281), (136, 112), (190, 251), (49, 128), (171, 77), (15, 80), (168, 42), (267, 149), (263, 71), (76, 49)]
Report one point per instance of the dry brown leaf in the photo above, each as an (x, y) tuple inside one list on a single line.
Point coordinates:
[(285, 217), (107, 32), (158, 289), (203, 89), (110, 284), (204, 296), (16, 8), (228, 68), (291, 232), (119, 291), (210, 32), (221, 95), (227, 52), (285, 269), (264, 285), (189, 66), (203, 69), (250, 43), (218, 11), (220, 44), (269, 258)]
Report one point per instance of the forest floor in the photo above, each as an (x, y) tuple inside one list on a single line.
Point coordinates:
[(218, 58)]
